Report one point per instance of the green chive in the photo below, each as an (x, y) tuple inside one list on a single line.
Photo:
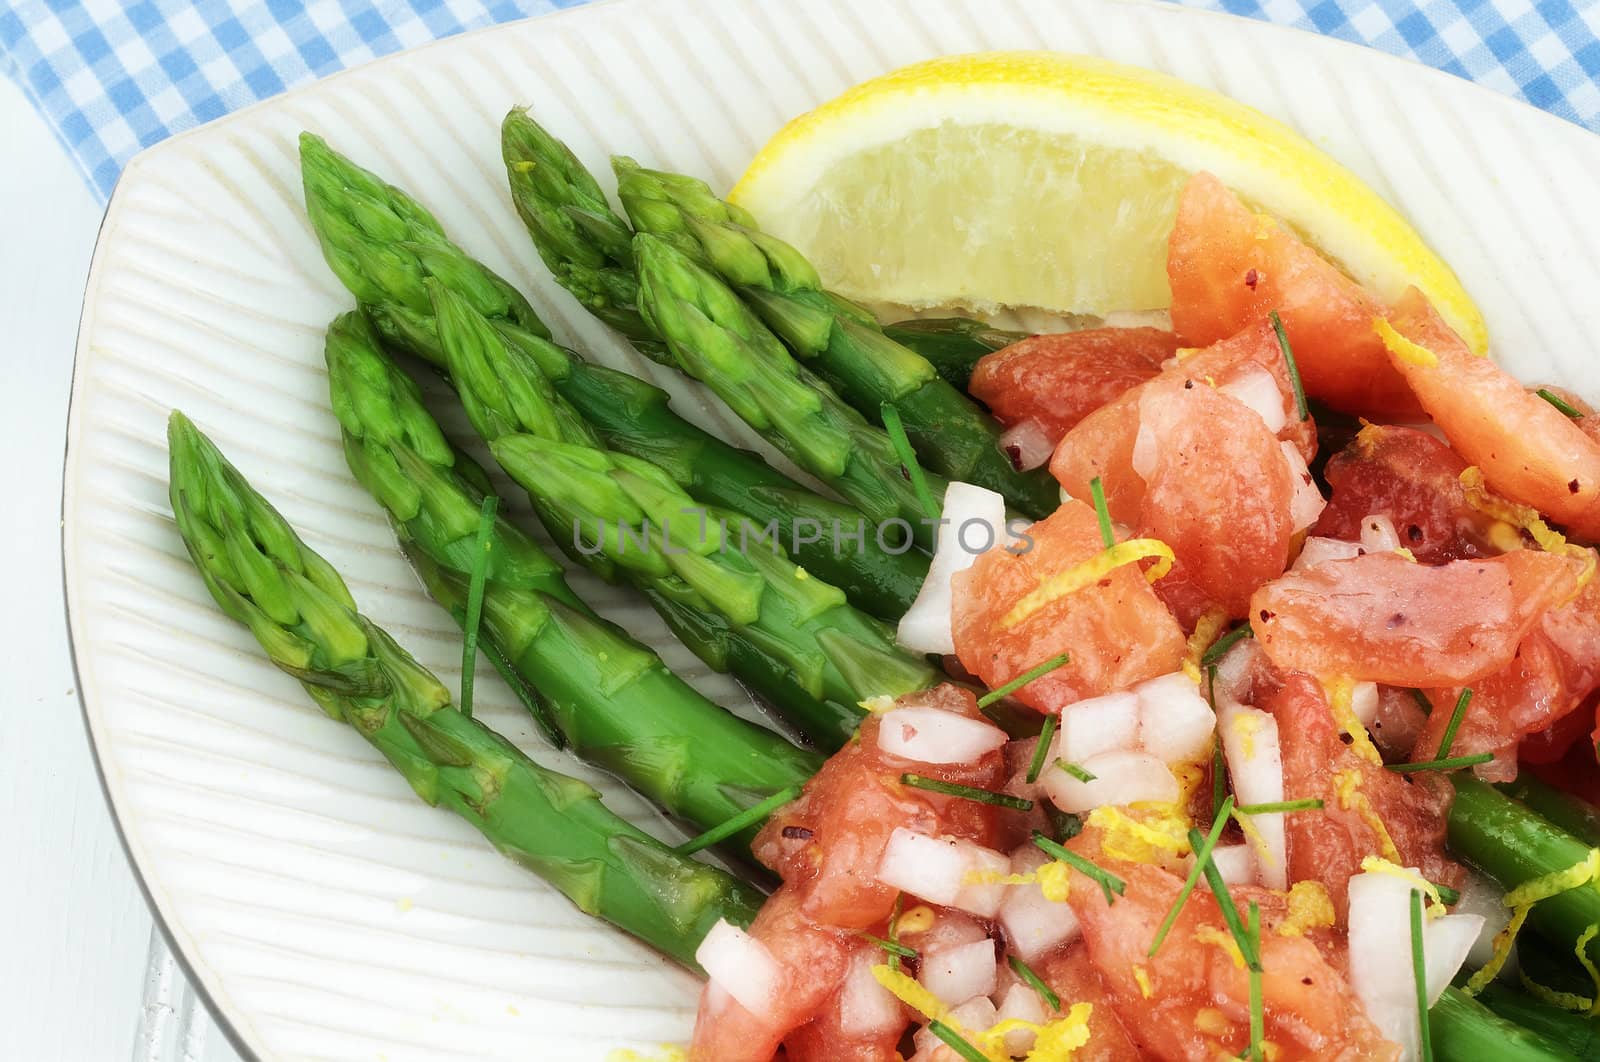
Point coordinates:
[(1422, 701), (1419, 970), (1294, 370), (480, 572), (1097, 491), (1258, 1010), (894, 927), (898, 950), (1064, 825), (748, 817), (1277, 806), (907, 457), (1220, 647), (1076, 771), (957, 1042), (966, 792), (1230, 911), (1202, 856), (1559, 402), (1023, 679), (1454, 724), (1035, 982), (1448, 896), (1109, 882), (1042, 748), (1454, 763)]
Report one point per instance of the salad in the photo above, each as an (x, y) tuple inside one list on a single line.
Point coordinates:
[(1209, 683)]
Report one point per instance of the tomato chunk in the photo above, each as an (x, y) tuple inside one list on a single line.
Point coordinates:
[(1117, 631), (1072, 975), (1229, 266)]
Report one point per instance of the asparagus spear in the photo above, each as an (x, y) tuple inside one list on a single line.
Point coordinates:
[(633, 514), (603, 693), (1464, 1030), (842, 342), (1578, 817), (952, 345), (298, 608), (1578, 1033), (631, 415)]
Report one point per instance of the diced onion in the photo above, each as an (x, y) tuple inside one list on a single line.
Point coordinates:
[(741, 965), (1234, 671), (1255, 763), (1120, 778), (933, 735), (958, 974), (975, 520), (936, 869), (1307, 502), (977, 897), (1235, 863), (1021, 1003), (1364, 702), (1027, 444), (1258, 389), (1321, 550), (1144, 452), (1034, 924), (866, 1008), (1378, 534), (975, 1015), (1161, 319), (1175, 722), (1099, 724), (1480, 895)]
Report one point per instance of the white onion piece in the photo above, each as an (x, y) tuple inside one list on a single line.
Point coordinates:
[(1235, 863), (958, 974), (866, 1008), (975, 1016), (1255, 763), (1175, 722), (1364, 702), (1381, 971), (974, 516), (1378, 534), (1234, 670), (935, 869), (741, 965), (1034, 925), (1022, 1004), (1027, 444), (1258, 389), (1099, 724), (1144, 452), (1161, 319), (1307, 502), (1321, 550), (1482, 896), (1120, 778), (933, 735), (980, 899)]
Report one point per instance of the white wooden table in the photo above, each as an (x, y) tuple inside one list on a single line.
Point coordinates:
[(84, 977)]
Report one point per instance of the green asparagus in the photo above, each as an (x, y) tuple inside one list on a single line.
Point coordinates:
[(842, 342), (631, 415), (1578, 1033), (299, 609), (606, 695), (1464, 1030), (1578, 817), (952, 345)]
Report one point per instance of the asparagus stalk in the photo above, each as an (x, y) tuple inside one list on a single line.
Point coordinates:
[(1577, 1033), (603, 693), (952, 345), (299, 609), (631, 415), (1578, 817), (842, 342), (634, 515), (1464, 1030)]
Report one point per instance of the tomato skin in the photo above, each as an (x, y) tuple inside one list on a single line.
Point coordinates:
[(1228, 267), (1058, 379), (1529, 451), (1382, 618), (1117, 631), (1415, 480)]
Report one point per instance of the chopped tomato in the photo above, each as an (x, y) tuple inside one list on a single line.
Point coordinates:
[(1229, 266), (1058, 379), (826, 845), (1382, 618), (1072, 975), (1415, 480), (1117, 632), (824, 1038), (1587, 421), (1358, 797), (1528, 450)]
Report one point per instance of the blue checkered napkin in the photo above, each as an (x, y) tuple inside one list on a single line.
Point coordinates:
[(113, 77)]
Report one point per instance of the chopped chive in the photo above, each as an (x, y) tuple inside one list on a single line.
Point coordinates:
[(1063, 824), (1258, 1009), (1220, 647), (1422, 701), (907, 457), (1559, 402), (957, 1042), (480, 573), (1109, 882), (1454, 724), (894, 948), (1097, 491), (1023, 679), (894, 927), (966, 792), (1034, 981), (1419, 971), (1279, 805), (1230, 911), (1448, 896), (1454, 763), (748, 817), (1080, 773), (1294, 370), (1042, 749), (1202, 856), (1219, 776)]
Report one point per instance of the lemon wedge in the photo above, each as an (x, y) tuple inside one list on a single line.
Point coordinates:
[(1038, 179)]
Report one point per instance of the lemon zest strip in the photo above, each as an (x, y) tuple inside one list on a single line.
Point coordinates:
[(1092, 571), (1252, 833), (1217, 938), (1142, 841), (1206, 632), (1403, 348), (1055, 881), (1341, 699), (1351, 798), (1554, 997), (1521, 900), (1310, 907)]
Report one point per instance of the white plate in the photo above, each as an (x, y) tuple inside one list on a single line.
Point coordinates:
[(323, 910)]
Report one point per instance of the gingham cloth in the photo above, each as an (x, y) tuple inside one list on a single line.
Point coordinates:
[(113, 77)]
